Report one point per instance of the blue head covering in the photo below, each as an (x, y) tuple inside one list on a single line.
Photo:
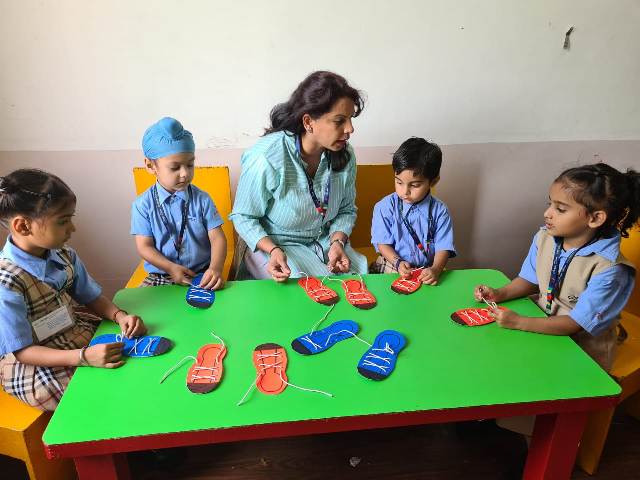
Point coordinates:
[(166, 137)]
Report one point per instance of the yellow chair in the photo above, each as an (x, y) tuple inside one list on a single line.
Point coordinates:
[(21, 429), (625, 370), (372, 183), (214, 181)]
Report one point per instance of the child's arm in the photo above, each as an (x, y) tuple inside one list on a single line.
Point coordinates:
[(107, 355), (554, 325), (131, 325), (212, 278), (517, 288), (147, 250), (391, 256)]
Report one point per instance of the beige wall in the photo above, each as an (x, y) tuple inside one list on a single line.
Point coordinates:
[(82, 80), (496, 193)]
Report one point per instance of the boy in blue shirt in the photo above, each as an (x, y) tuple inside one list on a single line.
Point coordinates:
[(177, 227), (411, 228)]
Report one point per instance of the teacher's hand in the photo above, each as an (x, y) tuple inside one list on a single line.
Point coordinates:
[(338, 260), (277, 266)]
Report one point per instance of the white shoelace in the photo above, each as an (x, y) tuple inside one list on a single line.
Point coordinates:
[(373, 356), (191, 357), (136, 343), (265, 366)]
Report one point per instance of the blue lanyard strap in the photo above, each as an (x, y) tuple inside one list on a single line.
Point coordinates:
[(431, 229), (177, 242), (321, 208), (557, 275)]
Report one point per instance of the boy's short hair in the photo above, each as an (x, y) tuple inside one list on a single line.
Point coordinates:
[(420, 156)]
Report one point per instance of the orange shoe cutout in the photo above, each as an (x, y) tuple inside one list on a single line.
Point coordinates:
[(317, 291), (406, 286), (473, 317), (270, 360), (205, 374), (358, 295)]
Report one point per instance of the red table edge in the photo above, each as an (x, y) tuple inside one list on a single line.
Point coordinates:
[(319, 426)]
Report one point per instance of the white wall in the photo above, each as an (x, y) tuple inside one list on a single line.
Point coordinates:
[(488, 80), (80, 75)]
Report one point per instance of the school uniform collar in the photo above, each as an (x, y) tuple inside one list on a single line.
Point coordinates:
[(607, 246), (163, 194), (421, 204), (36, 266)]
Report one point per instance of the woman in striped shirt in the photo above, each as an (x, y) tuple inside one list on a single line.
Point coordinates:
[(294, 206)]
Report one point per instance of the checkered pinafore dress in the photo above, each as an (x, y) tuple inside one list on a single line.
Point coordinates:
[(42, 387)]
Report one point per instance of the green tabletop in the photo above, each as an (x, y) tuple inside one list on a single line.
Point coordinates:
[(444, 365)]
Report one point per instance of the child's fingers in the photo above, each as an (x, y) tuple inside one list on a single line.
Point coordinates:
[(114, 364)]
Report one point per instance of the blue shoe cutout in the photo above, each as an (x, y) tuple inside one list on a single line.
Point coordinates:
[(145, 346), (322, 340), (379, 361), (199, 297)]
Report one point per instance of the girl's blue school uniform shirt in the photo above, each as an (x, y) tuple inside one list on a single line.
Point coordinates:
[(15, 330), (202, 216), (388, 228), (607, 292)]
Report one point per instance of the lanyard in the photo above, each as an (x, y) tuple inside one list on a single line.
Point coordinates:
[(430, 229), (177, 242), (321, 208), (557, 275)]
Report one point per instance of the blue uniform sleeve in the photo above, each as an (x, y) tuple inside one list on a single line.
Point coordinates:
[(211, 217), (528, 269), (381, 225), (15, 331), (140, 223), (444, 233), (84, 288), (604, 298)]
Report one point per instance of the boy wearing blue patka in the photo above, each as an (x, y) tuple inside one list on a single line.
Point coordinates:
[(177, 227), (411, 229)]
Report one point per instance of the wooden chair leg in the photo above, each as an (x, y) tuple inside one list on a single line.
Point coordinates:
[(593, 439)]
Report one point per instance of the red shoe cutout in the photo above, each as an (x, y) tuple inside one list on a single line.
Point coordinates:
[(358, 295), (270, 360), (317, 291), (205, 374), (406, 286), (473, 317)]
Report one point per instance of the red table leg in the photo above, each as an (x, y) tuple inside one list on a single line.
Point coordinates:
[(103, 467), (554, 446)]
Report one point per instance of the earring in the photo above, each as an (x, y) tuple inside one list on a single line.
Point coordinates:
[(309, 130)]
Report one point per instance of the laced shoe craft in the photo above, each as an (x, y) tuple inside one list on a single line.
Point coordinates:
[(379, 361), (407, 286), (321, 340), (144, 346), (358, 295), (270, 360), (317, 291), (205, 374), (199, 297), (473, 317)]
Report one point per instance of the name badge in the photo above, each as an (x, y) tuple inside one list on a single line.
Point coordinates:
[(55, 322)]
